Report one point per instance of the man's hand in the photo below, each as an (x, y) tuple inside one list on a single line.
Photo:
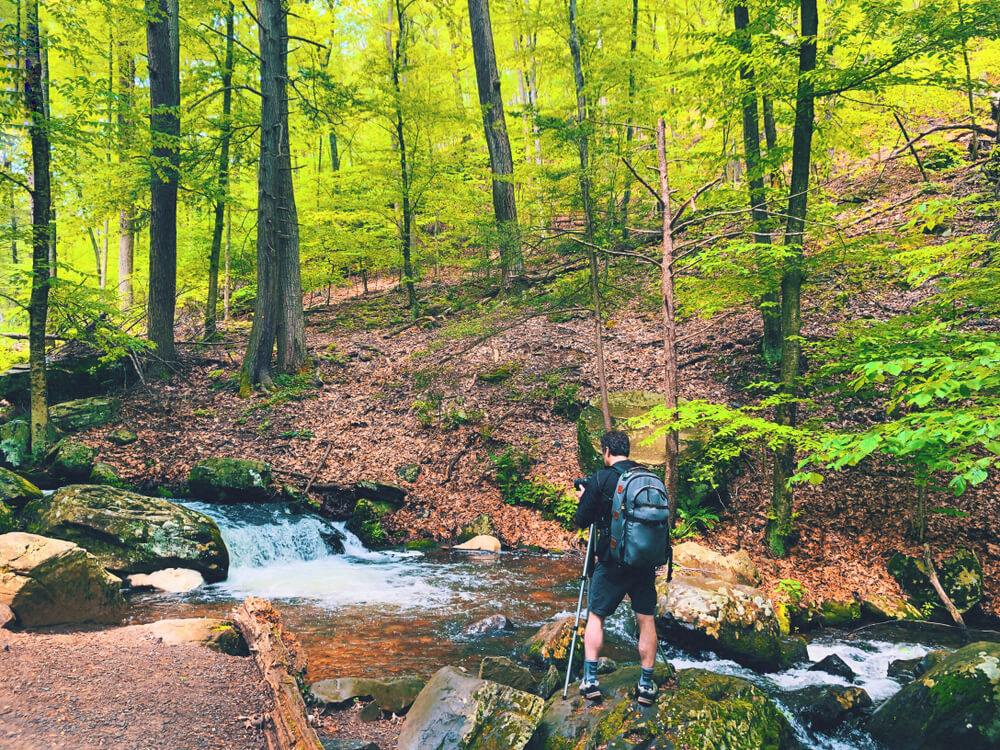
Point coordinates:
[(579, 493)]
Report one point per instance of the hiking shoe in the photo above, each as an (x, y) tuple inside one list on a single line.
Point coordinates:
[(645, 693), (591, 690)]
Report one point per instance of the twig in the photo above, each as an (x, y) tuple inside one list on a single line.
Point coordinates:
[(319, 466), (645, 184), (952, 609)]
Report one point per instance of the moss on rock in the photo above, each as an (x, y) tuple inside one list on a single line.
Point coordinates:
[(961, 576), (84, 413), (16, 491), (72, 461), (229, 480)]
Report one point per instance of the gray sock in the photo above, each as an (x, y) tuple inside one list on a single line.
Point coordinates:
[(590, 670), (646, 677)]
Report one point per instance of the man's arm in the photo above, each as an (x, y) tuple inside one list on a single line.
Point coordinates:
[(588, 509)]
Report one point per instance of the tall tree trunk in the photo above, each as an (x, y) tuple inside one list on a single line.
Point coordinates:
[(164, 125), (771, 137), (223, 181), (229, 246), (629, 130), (974, 144), (334, 152), (406, 225), (41, 230), (497, 141), (779, 525), (670, 477), (126, 230), (47, 109)]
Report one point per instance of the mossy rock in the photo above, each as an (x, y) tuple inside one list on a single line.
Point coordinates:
[(409, 472), (366, 523), (16, 491), (955, 704), (84, 413), (482, 526), (6, 519), (961, 577), (551, 643), (103, 473), (420, 545), (15, 443), (72, 461), (122, 436), (506, 672), (794, 652), (500, 373), (880, 607), (839, 613), (382, 493), (229, 480), (130, 533)]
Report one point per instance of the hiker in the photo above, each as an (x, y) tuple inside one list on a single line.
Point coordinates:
[(611, 580)]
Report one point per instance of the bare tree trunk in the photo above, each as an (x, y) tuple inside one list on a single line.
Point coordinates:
[(41, 230), (334, 152), (406, 226), (629, 130), (229, 246), (497, 141), (126, 231), (670, 477), (968, 87), (47, 109)]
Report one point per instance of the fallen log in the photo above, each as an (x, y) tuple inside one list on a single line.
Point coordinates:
[(281, 662), (942, 595)]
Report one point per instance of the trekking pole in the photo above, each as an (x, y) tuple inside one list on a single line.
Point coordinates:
[(584, 581)]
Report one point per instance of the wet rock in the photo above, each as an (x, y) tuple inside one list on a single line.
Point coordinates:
[(395, 694), (551, 683), (7, 616), (735, 621), (550, 645), (704, 710), (333, 538), (606, 665), (103, 473), (833, 664), (366, 523), (16, 491), (7, 522), (229, 480), (122, 436), (84, 413), (826, 706), (490, 627), (836, 613), (455, 711), (961, 577), (880, 607), (174, 580), (51, 581), (131, 533), (72, 461), (482, 526), (218, 635), (502, 670), (15, 443), (480, 544), (955, 704), (381, 492), (734, 568), (409, 472), (794, 651)]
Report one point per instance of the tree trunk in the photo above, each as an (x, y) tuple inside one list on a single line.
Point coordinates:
[(497, 141), (126, 231), (629, 130), (334, 152), (164, 124), (41, 230), (670, 477), (771, 137), (779, 526), (406, 225), (223, 181), (229, 247), (47, 109)]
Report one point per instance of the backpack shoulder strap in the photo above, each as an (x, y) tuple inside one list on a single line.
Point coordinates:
[(619, 468)]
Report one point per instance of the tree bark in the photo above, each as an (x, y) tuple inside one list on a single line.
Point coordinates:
[(406, 224), (164, 124), (41, 230), (126, 231), (629, 130), (670, 477), (229, 246), (497, 141), (779, 526), (47, 109)]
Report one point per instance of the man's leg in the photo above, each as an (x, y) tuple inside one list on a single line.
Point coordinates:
[(647, 639), (593, 637)]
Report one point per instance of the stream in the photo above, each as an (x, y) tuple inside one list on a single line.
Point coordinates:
[(380, 614)]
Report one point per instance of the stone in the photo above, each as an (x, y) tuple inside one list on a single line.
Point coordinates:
[(174, 580), (122, 436), (961, 577), (506, 672), (459, 712), (734, 568), (881, 607), (16, 491), (84, 413), (103, 473), (735, 621), (490, 627), (72, 461), (7, 522), (482, 526), (833, 664), (7, 616), (704, 710), (131, 533), (218, 635), (606, 665), (15, 443), (395, 694), (51, 582), (229, 480), (381, 492), (550, 645), (907, 670), (551, 683), (370, 712), (483, 543), (836, 613), (409, 472), (366, 523), (794, 651), (954, 704), (826, 706)]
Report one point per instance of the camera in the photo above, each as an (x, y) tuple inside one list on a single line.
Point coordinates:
[(580, 483)]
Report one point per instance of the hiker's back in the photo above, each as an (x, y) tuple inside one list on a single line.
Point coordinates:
[(640, 520)]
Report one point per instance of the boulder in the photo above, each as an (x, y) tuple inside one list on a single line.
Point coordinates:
[(550, 683), (84, 413), (961, 577), (881, 607), (550, 645), (480, 544), (733, 620), (794, 651), (381, 492), (51, 581), (371, 712), (7, 616), (907, 670), (16, 491), (229, 480), (131, 533), (482, 526), (705, 711), (490, 627), (122, 436), (826, 706), (395, 694), (6, 519), (103, 473), (15, 443), (72, 461), (459, 712), (833, 664), (366, 523), (503, 670), (955, 704), (837, 613), (218, 635), (174, 580), (734, 568), (409, 472)]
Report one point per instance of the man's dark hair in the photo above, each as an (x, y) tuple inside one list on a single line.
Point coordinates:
[(615, 441)]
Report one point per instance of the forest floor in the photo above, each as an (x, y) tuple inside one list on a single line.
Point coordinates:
[(379, 374)]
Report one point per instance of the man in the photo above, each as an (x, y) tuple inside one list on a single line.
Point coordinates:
[(611, 581)]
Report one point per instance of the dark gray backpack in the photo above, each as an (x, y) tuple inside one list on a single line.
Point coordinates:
[(640, 519)]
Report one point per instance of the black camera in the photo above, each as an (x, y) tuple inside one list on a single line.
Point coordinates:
[(580, 483)]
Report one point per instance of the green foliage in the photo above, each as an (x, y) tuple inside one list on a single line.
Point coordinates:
[(373, 531), (500, 373), (511, 467), (792, 591), (431, 411), (945, 156), (693, 518)]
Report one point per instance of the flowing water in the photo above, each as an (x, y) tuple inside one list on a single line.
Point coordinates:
[(364, 613)]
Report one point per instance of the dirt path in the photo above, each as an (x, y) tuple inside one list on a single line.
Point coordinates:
[(122, 688)]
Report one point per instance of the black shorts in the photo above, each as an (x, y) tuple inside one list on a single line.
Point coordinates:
[(610, 584)]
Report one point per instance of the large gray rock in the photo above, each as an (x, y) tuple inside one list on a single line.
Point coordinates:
[(458, 712), (229, 480), (51, 581), (735, 621), (16, 491), (131, 533), (503, 670), (395, 694), (735, 568), (84, 413), (955, 704)]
